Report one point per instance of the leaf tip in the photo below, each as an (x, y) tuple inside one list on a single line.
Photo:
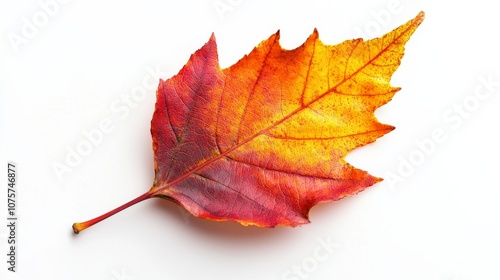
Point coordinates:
[(315, 34), (420, 17), (210, 46), (212, 37)]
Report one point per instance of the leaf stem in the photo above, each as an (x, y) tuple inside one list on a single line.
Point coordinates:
[(77, 227)]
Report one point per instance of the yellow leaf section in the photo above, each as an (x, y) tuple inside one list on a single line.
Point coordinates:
[(316, 98)]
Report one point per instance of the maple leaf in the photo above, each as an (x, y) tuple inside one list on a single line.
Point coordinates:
[(263, 141)]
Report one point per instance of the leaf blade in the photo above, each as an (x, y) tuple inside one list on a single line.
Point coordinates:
[(246, 162)]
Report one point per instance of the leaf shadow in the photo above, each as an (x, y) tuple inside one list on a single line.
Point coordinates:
[(323, 217), (225, 231)]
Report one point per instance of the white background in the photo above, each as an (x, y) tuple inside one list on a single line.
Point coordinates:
[(83, 63)]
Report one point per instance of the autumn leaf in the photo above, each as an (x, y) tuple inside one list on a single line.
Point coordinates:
[(263, 141)]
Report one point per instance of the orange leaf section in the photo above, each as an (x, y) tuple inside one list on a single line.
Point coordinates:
[(264, 140)]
